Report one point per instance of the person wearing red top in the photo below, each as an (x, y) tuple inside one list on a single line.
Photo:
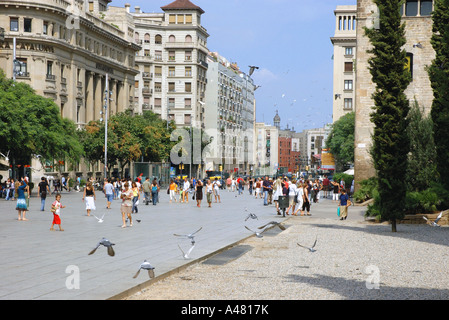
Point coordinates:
[(326, 184)]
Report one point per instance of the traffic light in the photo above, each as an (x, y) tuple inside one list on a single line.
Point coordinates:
[(221, 168)]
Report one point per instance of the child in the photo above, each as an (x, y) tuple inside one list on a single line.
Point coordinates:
[(56, 210)]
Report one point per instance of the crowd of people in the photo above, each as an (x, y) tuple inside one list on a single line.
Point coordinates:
[(300, 193)]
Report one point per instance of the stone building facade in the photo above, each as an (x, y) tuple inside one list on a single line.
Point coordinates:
[(65, 49), (416, 16)]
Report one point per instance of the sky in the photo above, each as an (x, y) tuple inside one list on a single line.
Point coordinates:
[(289, 40)]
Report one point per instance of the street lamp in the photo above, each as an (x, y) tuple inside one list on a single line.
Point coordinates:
[(107, 97)]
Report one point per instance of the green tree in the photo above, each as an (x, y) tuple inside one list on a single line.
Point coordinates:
[(390, 142), (439, 77), (421, 168), (130, 138), (32, 125), (341, 140)]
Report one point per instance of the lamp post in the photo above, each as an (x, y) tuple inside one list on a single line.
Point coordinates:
[(107, 95)]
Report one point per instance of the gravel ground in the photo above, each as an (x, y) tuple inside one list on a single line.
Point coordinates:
[(350, 257)]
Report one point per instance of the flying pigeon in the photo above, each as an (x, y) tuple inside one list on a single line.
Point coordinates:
[(251, 215), (274, 223), (190, 236), (146, 266), (6, 157), (100, 220), (104, 242), (310, 249), (434, 223), (258, 234), (186, 255)]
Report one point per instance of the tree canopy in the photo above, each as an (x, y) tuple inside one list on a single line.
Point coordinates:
[(341, 140), (32, 125)]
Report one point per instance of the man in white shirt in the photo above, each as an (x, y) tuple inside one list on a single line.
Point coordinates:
[(185, 191)]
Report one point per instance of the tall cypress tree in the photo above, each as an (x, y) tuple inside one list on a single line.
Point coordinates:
[(439, 77), (391, 107)]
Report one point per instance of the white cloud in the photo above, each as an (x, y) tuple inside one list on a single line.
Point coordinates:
[(264, 75)]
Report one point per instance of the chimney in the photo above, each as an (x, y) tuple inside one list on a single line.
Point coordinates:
[(127, 6), (137, 9)]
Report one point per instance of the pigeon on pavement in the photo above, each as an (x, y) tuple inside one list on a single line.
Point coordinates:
[(146, 266), (312, 249), (105, 242), (190, 236)]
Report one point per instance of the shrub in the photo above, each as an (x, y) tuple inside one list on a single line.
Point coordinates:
[(366, 190), (346, 177)]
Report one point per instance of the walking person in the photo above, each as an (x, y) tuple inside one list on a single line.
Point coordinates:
[(136, 197), (185, 191), (146, 188), (198, 193), (173, 191), (335, 190), (43, 189), (266, 187), (155, 191), (217, 185), (127, 204), (56, 210), (300, 199), (21, 205), (109, 193), (89, 197), (277, 192), (306, 199), (292, 192), (8, 189), (209, 191), (12, 190), (344, 204)]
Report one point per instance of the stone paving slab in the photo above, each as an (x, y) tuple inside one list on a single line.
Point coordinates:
[(35, 259)]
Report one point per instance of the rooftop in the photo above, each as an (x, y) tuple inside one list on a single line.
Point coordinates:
[(182, 5)]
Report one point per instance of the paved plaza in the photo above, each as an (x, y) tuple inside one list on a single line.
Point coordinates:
[(41, 264)]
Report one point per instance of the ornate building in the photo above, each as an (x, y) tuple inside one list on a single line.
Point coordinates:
[(64, 49)]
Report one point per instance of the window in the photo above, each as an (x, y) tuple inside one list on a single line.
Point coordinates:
[(172, 38), (171, 71), (14, 24), (188, 38), (188, 103), (27, 25), (157, 102), (49, 68), (188, 55), (147, 53), (348, 104), (45, 28), (188, 71), (180, 19), (425, 8), (23, 72), (187, 119), (171, 103), (158, 71), (172, 19), (158, 87), (91, 6), (188, 19), (147, 38), (158, 39), (348, 84), (171, 55), (348, 51), (136, 84), (158, 55), (411, 8), (171, 87), (188, 87), (348, 66)]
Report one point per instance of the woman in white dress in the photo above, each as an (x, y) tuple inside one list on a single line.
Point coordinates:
[(89, 197), (300, 199), (277, 191)]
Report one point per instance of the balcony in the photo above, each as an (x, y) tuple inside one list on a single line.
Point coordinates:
[(50, 77), (147, 75), (179, 45), (147, 91)]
